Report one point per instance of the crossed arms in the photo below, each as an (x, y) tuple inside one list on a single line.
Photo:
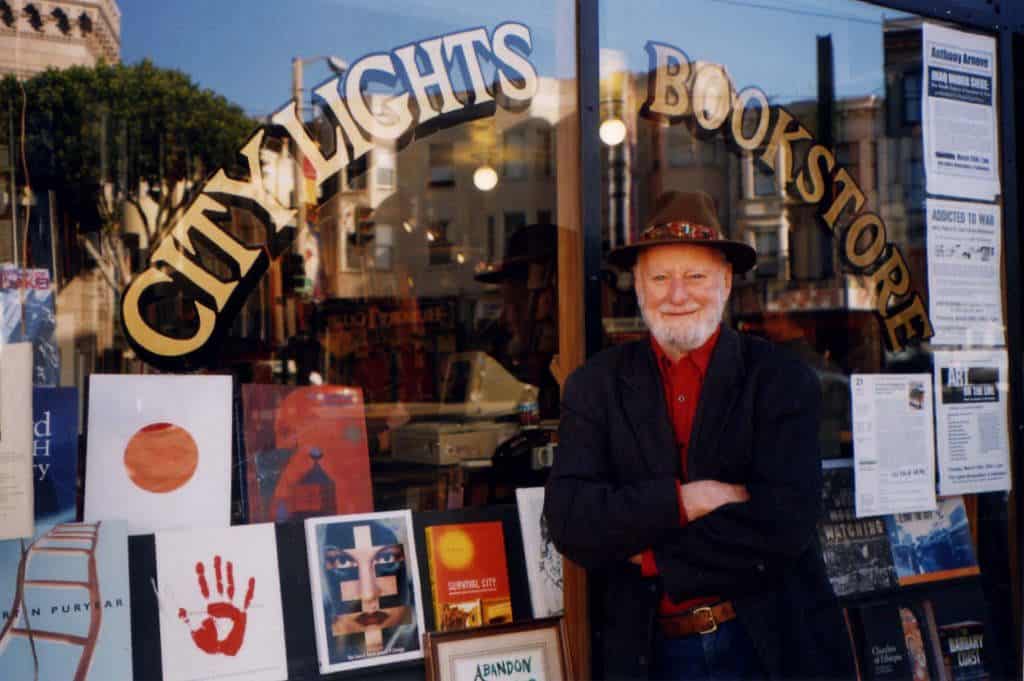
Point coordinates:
[(738, 535)]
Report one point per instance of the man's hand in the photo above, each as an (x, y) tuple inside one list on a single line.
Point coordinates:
[(704, 496)]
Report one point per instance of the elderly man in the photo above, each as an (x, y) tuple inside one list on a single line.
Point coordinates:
[(687, 479)]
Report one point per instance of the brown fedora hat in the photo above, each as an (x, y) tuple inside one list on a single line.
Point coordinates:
[(685, 218)]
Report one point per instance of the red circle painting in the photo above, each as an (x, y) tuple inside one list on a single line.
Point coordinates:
[(161, 457)]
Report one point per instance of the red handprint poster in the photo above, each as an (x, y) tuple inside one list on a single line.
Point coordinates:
[(220, 604)]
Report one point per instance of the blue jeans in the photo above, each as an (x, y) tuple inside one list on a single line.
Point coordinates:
[(724, 655)]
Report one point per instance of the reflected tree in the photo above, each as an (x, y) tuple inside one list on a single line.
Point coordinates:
[(111, 138)]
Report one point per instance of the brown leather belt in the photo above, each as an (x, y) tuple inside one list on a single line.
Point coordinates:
[(702, 620)]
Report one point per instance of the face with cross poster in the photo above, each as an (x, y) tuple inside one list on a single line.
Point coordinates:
[(368, 596)]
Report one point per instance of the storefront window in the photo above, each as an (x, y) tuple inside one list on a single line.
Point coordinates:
[(315, 244), (777, 112)]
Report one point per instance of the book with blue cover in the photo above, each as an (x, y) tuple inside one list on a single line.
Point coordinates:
[(65, 591), (54, 455), (932, 545)]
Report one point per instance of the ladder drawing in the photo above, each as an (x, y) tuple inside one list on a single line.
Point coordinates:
[(62, 543)]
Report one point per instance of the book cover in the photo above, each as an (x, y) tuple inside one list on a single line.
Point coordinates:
[(16, 471), (898, 641), (543, 561), (220, 604), (488, 541), (306, 452), (54, 455), (27, 315), (856, 551), (963, 650), (964, 643), (468, 575), (933, 545), (65, 609), (365, 579), (159, 451)]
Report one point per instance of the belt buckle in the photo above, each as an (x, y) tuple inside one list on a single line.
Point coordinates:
[(711, 616)]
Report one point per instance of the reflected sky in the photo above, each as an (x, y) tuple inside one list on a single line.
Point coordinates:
[(243, 50)]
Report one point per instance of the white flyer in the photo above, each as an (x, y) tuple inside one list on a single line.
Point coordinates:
[(893, 444), (971, 421), (17, 504), (964, 252), (959, 114)]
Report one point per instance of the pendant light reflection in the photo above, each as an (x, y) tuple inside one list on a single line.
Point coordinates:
[(485, 178), (612, 131)]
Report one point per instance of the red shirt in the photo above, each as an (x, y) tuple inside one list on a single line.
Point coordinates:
[(682, 381)]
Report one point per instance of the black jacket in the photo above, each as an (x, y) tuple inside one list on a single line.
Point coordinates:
[(612, 494)]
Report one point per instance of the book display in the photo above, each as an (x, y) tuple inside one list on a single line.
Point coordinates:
[(937, 634), (315, 594)]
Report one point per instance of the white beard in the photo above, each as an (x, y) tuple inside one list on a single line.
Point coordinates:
[(689, 333)]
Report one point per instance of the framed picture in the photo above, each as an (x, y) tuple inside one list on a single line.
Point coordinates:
[(527, 650), (365, 584)]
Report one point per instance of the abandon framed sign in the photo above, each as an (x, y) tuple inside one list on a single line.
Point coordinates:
[(507, 652)]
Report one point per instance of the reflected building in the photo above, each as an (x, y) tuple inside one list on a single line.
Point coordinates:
[(402, 232), (35, 36)]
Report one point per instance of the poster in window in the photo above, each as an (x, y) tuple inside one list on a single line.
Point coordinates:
[(367, 604), (159, 451), (893, 443), (959, 113), (306, 452), (965, 301), (972, 389)]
